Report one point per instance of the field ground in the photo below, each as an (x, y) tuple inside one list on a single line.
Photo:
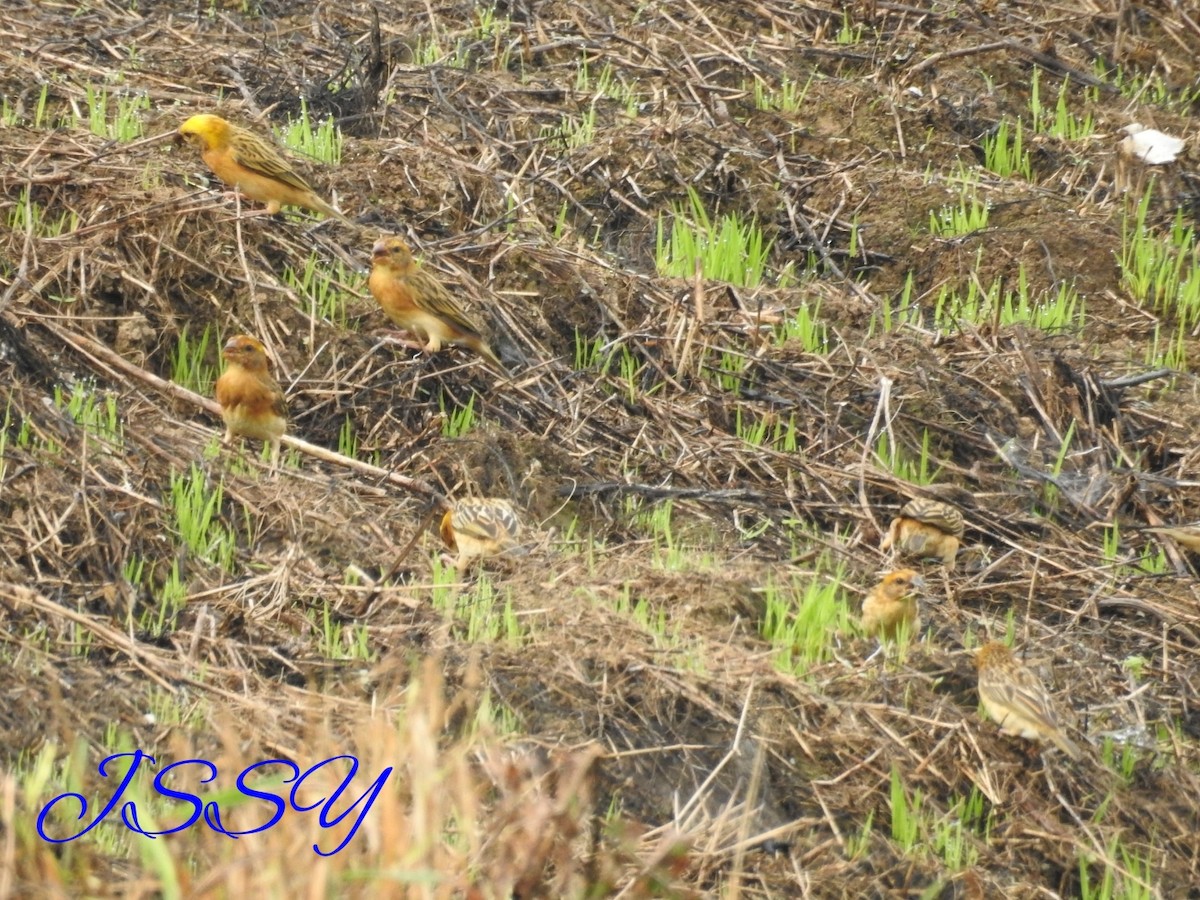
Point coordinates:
[(940, 279)]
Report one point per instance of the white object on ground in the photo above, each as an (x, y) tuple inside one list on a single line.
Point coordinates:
[(1149, 145)]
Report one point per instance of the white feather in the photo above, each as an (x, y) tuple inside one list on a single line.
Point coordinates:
[(1149, 145)]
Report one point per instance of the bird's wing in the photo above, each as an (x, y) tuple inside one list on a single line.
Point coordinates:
[(1021, 692), (486, 521), (1187, 535), (940, 515), (258, 157), (430, 294), (279, 401)]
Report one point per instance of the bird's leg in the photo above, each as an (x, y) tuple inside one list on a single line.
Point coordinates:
[(242, 211), (403, 341), (951, 597)]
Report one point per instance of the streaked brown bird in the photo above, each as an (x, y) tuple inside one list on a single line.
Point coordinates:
[(1187, 536), (475, 529), (416, 301), (926, 529), (891, 606), (252, 402), (247, 163), (1014, 697)]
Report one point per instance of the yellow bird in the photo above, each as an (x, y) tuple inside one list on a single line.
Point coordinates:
[(248, 164), (252, 402), (416, 301), (1016, 699), (475, 529), (892, 605), (926, 529), (1187, 536)]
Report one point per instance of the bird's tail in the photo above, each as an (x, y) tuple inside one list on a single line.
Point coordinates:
[(330, 211), (1066, 745), (480, 346)]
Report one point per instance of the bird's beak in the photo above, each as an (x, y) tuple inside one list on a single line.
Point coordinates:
[(230, 345), (919, 583), (380, 249)]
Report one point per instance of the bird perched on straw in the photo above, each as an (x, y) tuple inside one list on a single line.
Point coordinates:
[(1015, 698), (416, 301), (891, 606), (249, 164), (926, 529), (475, 529), (252, 402)]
